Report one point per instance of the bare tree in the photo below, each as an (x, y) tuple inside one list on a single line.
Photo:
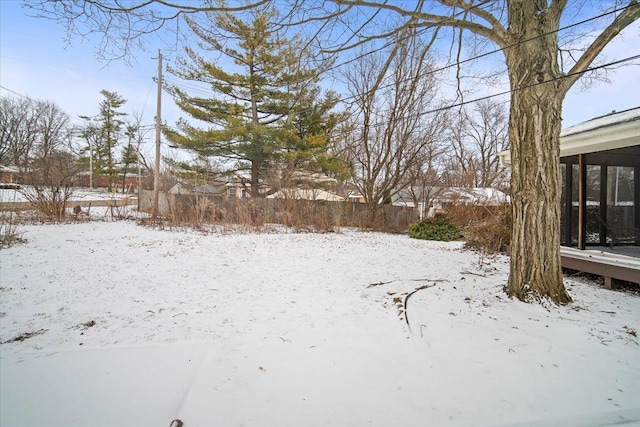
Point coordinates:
[(425, 178), (54, 129), (30, 130), (391, 135), (18, 130), (460, 164), (38, 137), (123, 26), (476, 137)]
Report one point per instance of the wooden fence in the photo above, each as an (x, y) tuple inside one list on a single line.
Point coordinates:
[(281, 211)]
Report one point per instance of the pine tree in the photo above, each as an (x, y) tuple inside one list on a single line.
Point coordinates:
[(257, 102), (103, 133), (307, 145), (129, 153)]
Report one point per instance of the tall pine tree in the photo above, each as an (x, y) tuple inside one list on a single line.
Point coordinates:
[(103, 132), (256, 112)]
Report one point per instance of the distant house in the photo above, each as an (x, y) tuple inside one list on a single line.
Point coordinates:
[(7, 176), (240, 186), (179, 188), (312, 179), (206, 189), (437, 199), (354, 197), (305, 194), (202, 190)]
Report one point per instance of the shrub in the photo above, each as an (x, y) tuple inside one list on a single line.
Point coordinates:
[(493, 234), (49, 201), (9, 231), (440, 228)]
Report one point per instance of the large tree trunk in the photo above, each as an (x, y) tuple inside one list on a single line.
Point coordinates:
[(534, 131)]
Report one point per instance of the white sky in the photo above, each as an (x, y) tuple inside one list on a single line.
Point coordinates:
[(35, 62)]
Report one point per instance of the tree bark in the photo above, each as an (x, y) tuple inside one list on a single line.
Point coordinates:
[(534, 131)]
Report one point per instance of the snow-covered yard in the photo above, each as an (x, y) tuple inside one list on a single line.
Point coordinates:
[(78, 194), (114, 324)]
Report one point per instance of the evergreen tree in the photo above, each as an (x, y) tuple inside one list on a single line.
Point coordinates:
[(129, 153), (256, 107), (308, 143), (103, 133)]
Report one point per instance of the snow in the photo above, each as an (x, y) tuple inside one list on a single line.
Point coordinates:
[(614, 118), (137, 326), (79, 194)]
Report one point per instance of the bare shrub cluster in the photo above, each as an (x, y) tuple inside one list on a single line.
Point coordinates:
[(294, 214), (50, 202), (9, 228), (486, 228), (250, 214), (306, 216)]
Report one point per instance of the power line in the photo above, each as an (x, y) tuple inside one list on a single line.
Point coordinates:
[(458, 63), (191, 86), (14, 92), (565, 76), (459, 104), (391, 43), (203, 92)]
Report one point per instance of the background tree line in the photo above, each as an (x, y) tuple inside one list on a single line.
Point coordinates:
[(39, 139)]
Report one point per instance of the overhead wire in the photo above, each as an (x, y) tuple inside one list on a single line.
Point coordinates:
[(562, 77), (485, 54), (190, 86)]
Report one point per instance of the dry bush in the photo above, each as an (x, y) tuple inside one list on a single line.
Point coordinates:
[(466, 215), (51, 183), (486, 228), (50, 202), (305, 215), (198, 212), (9, 228), (298, 215), (195, 212), (371, 220), (243, 212), (120, 211)]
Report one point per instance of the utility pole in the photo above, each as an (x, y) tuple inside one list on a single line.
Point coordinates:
[(90, 163), (156, 175)]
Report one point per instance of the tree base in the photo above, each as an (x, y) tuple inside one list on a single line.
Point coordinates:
[(530, 295)]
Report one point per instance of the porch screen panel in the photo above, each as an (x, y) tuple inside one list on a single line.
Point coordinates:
[(575, 180), (620, 198), (563, 206), (593, 204)]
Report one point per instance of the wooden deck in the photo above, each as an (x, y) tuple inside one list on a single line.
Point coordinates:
[(621, 263)]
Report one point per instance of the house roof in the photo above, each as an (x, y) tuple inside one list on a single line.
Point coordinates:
[(205, 189), (9, 169), (486, 196), (614, 130), (182, 188), (305, 194)]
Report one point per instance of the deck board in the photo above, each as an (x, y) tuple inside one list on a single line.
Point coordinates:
[(610, 264)]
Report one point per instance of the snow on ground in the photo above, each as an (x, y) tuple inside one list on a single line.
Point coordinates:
[(133, 326), (88, 194)]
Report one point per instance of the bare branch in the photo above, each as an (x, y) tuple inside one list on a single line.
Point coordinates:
[(123, 26), (626, 18)]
